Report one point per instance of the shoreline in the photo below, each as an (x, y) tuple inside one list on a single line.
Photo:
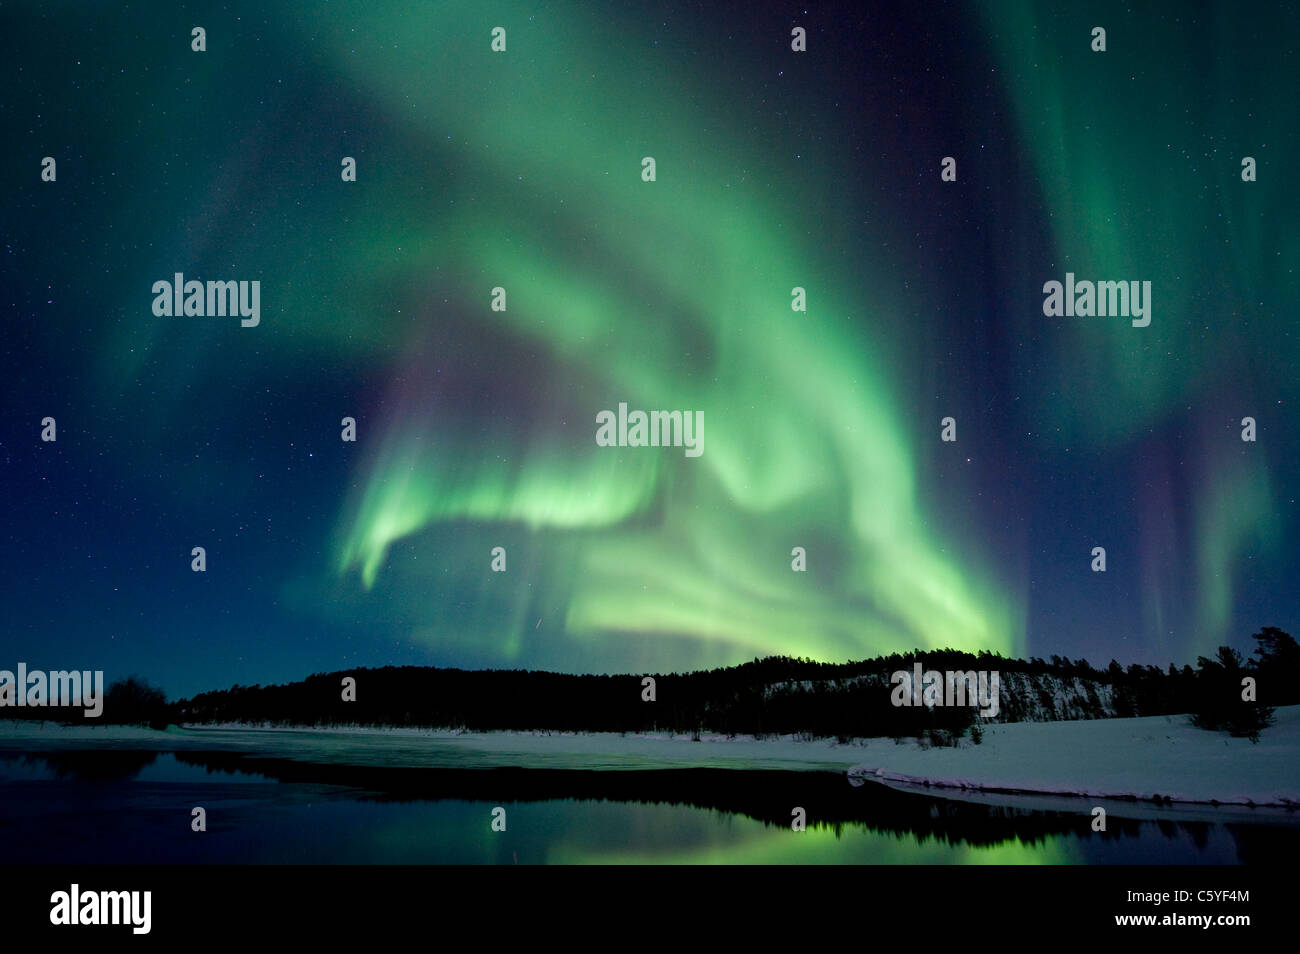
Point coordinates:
[(1153, 760)]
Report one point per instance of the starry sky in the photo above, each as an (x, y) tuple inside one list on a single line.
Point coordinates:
[(475, 427)]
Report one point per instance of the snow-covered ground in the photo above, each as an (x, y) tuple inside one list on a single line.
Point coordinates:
[(450, 748), (1100, 758), (1107, 758)]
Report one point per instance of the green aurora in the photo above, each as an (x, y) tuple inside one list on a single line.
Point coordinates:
[(476, 428), (803, 441)]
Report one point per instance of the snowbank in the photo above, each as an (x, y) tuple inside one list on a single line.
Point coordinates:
[(1164, 756)]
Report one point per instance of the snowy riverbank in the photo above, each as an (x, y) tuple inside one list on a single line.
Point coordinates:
[(1142, 758)]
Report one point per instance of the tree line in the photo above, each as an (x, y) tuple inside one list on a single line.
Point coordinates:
[(778, 695)]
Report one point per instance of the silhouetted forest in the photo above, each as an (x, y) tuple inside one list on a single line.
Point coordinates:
[(772, 696)]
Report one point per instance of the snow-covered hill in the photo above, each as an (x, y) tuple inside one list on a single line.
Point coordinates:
[(1022, 696)]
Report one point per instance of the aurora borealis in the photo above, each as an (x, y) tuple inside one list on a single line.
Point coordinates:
[(522, 170)]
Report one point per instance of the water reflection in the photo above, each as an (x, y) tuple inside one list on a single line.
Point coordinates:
[(332, 813)]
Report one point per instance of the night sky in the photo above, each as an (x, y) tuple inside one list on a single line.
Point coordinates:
[(476, 428)]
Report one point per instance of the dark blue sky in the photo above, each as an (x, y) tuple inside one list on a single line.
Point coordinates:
[(523, 170)]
